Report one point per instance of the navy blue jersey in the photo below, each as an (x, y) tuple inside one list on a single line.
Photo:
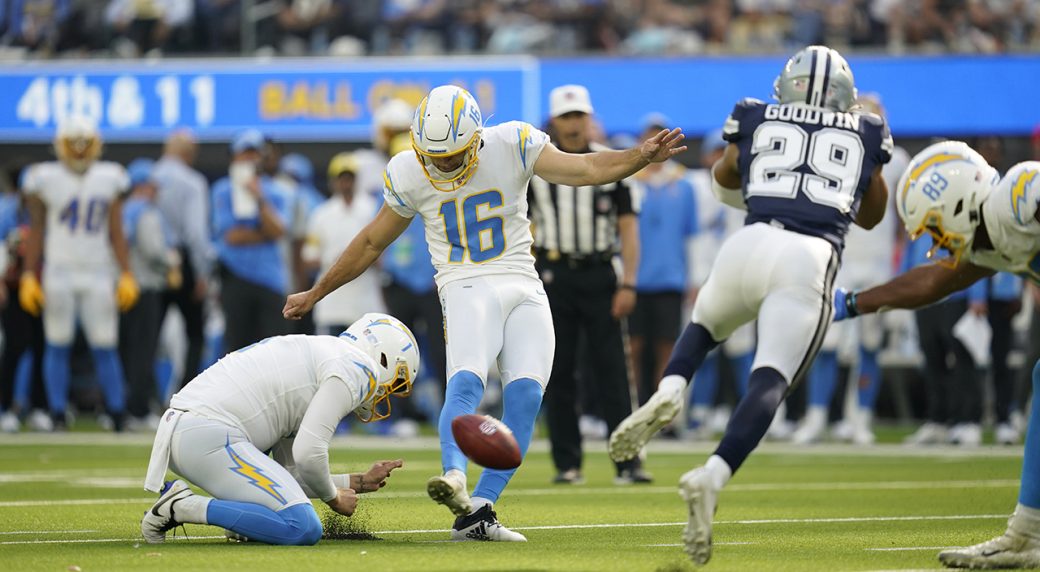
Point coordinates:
[(806, 168)]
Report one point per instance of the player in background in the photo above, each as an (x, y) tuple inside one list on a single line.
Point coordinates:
[(469, 184), (392, 118), (868, 257), (285, 395), (75, 207), (804, 169), (950, 193)]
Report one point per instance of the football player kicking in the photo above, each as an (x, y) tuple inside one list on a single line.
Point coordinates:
[(804, 169), (75, 207), (469, 185), (986, 226), (285, 395)]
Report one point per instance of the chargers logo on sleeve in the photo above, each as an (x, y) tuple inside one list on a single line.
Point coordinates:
[(524, 135), (1019, 189), (253, 474), (388, 184)]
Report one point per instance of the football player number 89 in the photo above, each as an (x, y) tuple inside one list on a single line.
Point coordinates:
[(834, 156), (484, 236)]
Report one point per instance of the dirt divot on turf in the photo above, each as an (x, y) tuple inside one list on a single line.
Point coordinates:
[(338, 527)]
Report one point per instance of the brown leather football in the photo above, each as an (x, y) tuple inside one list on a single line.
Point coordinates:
[(486, 441)]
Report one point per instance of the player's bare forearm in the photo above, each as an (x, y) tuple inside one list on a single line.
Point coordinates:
[(920, 287), (875, 201), (34, 242), (603, 167), (242, 235), (628, 228), (116, 236)]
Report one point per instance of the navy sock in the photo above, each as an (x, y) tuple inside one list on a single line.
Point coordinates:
[(752, 417), (689, 351)]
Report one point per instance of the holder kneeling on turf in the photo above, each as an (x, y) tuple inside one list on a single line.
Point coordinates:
[(284, 395)]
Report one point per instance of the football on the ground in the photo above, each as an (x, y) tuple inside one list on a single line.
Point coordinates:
[(486, 441)]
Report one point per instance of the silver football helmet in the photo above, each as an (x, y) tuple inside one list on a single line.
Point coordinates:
[(818, 76)]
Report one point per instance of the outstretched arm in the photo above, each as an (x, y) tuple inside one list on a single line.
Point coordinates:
[(919, 287), (604, 167), (361, 253), (875, 201)]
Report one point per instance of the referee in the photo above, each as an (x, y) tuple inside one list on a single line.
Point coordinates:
[(576, 234)]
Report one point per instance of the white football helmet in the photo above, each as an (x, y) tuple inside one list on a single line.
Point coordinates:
[(392, 346), (77, 143), (941, 193), (392, 117), (447, 123)]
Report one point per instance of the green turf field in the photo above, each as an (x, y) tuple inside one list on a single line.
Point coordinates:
[(76, 500)]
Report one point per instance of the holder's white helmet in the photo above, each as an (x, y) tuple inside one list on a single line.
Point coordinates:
[(77, 143), (392, 346), (447, 123), (941, 193)]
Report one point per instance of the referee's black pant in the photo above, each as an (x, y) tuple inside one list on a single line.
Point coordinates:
[(251, 312), (951, 380), (580, 298)]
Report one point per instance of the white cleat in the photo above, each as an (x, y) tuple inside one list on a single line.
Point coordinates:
[(1011, 550), (483, 525), (701, 500), (233, 536), (927, 434), (159, 519), (633, 433), (40, 421), (450, 490), (1006, 434), (9, 423)]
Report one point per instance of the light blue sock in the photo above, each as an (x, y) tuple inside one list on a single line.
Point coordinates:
[(110, 376), (822, 378), (742, 371), (1029, 494), (461, 397), (869, 379), (706, 381), (521, 401), (56, 377), (297, 525)]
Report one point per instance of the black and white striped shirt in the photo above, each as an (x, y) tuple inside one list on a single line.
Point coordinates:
[(578, 222)]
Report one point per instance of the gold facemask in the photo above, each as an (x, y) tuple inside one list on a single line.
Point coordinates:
[(379, 408), (952, 242), (469, 165)]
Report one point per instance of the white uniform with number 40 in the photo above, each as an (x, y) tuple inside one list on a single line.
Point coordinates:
[(79, 270), (480, 242)]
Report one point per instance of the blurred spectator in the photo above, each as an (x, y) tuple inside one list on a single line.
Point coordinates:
[(184, 205), (391, 118), (156, 265), (412, 26), (410, 293), (307, 26), (296, 173), (330, 229), (217, 24), (952, 386), (34, 24), (146, 25), (519, 26), (251, 213), (23, 332), (668, 223), (1003, 302)]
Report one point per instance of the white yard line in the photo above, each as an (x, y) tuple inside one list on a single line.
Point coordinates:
[(908, 548), (713, 544), (13, 532), (592, 526), (582, 491), (102, 540)]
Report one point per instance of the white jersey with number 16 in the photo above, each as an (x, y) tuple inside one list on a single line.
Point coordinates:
[(481, 228)]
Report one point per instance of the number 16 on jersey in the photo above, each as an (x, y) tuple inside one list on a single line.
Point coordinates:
[(483, 238)]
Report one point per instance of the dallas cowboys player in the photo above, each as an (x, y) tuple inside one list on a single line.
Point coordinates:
[(804, 169), (76, 224), (986, 226), (469, 184), (286, 395)]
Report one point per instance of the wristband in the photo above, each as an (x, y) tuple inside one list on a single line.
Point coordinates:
[(850, 305)]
